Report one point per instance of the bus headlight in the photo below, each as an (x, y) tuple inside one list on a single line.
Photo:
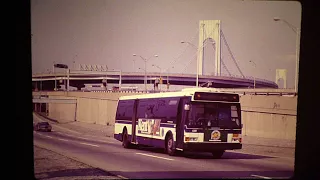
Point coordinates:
[(191, 139), (236, 138)]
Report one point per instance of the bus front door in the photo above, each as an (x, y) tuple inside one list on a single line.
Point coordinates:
[(134, 121), (181, 123)]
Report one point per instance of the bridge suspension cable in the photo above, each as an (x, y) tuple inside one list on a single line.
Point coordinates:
[(177, 59), (225, 67), (232, 57), (198, 50)]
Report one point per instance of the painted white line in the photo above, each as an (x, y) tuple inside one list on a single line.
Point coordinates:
[(56, 126), (64, 134), (122, 177), (86, 138), (48, 136), (90, 144), (105, 141), (263, 177), (155, 156), (62, 139)]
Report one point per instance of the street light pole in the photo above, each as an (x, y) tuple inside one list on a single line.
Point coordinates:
[(107, 68), (297, 31), (197, 75), (120, 76), (134, 70), (55, 77), (202, 48), (145, 74), (160, 74), (145, 69), (254, 78), (68, 79), (297, 59)]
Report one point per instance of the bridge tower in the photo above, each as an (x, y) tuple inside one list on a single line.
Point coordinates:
[(281, 74), (209, 29)]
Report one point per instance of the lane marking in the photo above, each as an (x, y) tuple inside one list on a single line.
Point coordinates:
[(155, 156), (56, 126), (64, 134), (122, 177), (90, 144), (48, 136), (62, 139), (85, 138), (263, 177)]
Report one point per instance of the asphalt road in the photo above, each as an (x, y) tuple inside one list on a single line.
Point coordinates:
[(142, 162)]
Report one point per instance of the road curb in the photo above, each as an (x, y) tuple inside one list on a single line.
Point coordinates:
[(46, 117)]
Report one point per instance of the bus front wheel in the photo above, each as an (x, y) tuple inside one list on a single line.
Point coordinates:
[(125, 141), (170, 145), (217, 154)]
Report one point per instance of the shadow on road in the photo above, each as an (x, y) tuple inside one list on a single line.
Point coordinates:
[(207, 174), (72, 173), (226, 155), (194, 155)]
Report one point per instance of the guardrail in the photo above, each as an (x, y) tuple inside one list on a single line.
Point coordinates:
[(281, 92), (59, 101)]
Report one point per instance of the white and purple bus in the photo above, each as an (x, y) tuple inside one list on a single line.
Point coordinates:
[(194, 119)]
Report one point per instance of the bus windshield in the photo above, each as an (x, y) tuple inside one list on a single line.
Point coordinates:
[(209, 114)]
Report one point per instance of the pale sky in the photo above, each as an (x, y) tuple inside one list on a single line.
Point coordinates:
[(108, 32)]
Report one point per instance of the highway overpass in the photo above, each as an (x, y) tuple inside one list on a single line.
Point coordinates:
[(79, 78)]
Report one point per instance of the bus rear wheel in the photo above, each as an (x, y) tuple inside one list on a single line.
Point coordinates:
[(170, 146), (217, 154), (125, 141)]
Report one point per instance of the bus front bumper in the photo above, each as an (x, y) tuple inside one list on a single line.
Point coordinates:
[(209, 147)]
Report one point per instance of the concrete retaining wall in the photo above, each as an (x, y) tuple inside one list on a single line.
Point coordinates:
[(263, 116), (269, 116)]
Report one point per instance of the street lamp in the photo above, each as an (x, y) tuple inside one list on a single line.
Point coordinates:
[(254, 78), (55, 77), (160, 73), (197, 81), (144, 78), (62, 66), (134, 70), (297, 31), (145, 69), (120, 77), (182, 42), (74, 62), (168, 71)]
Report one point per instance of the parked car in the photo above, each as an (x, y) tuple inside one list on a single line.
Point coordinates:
[(42, 126)]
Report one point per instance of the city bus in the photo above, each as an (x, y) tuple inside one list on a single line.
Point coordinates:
[(193, 119)]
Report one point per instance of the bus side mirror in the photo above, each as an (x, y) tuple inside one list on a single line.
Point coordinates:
[(187, 107)]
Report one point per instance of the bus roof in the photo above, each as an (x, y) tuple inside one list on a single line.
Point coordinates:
[(183, 92)]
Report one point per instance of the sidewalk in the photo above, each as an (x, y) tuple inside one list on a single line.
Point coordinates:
[(83, 128)]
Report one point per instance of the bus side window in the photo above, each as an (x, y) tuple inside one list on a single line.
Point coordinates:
[(159, 108), (169, 110), (144, 110), (125, 110)]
